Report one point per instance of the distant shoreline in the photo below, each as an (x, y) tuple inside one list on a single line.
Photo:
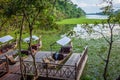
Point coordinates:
[(96, 16)]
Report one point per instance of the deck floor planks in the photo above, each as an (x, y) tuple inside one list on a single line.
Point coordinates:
[(11, 74), (39, 56), (10, 52), (14, 68)]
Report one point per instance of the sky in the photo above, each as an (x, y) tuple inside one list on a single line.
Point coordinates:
[(93, 6)]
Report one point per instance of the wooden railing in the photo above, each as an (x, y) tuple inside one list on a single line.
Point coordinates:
[(80, 61), (51, 70), (79, 64)]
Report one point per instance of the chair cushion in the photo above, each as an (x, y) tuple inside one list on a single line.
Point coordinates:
[(57, 56)]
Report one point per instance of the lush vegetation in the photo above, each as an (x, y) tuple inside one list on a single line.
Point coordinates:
[(50, 11), (11, 18), (67, 9)]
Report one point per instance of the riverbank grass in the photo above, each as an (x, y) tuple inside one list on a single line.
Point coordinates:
[(81, 21)]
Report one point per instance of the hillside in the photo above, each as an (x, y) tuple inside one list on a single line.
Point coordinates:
[(118, 11), (66, 9)]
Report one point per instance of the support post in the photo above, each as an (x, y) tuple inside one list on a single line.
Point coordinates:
[(46, 69), (75, 71)]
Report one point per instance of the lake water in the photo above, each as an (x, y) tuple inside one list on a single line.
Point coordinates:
[(96, 16), (83, 33)]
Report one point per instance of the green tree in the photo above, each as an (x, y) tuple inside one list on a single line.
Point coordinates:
[(29, 12), (112, 20)]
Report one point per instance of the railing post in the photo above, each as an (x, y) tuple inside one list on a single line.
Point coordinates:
[(75, 71), (46, 69), (7, 64)]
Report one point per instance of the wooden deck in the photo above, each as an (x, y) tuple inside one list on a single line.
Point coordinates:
[(4, 67), (70, 70)]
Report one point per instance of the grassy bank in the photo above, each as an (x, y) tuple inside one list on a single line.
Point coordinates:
[(80, 21), (95, 65)]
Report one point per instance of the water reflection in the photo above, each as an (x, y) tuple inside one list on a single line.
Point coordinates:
[(83, 33), (97, 16)]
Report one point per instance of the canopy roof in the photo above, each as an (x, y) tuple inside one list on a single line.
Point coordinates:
[(33, 37), (6, 38), (63, 41)]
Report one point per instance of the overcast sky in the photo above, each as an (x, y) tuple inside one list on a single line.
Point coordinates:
[(93, 6)]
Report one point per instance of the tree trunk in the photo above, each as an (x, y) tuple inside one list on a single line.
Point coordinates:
[(109, 50), (33, 56), (107, 62), (19, 43)]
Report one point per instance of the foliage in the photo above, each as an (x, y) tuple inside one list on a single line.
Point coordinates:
[(67, 9), (47, 17), (114, 20), (44, 20)]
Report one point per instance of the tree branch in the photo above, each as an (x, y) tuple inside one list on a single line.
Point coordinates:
[(24, 13), (3, 24), (103, 36), (35, 17), (102, 58), (113, 26)]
